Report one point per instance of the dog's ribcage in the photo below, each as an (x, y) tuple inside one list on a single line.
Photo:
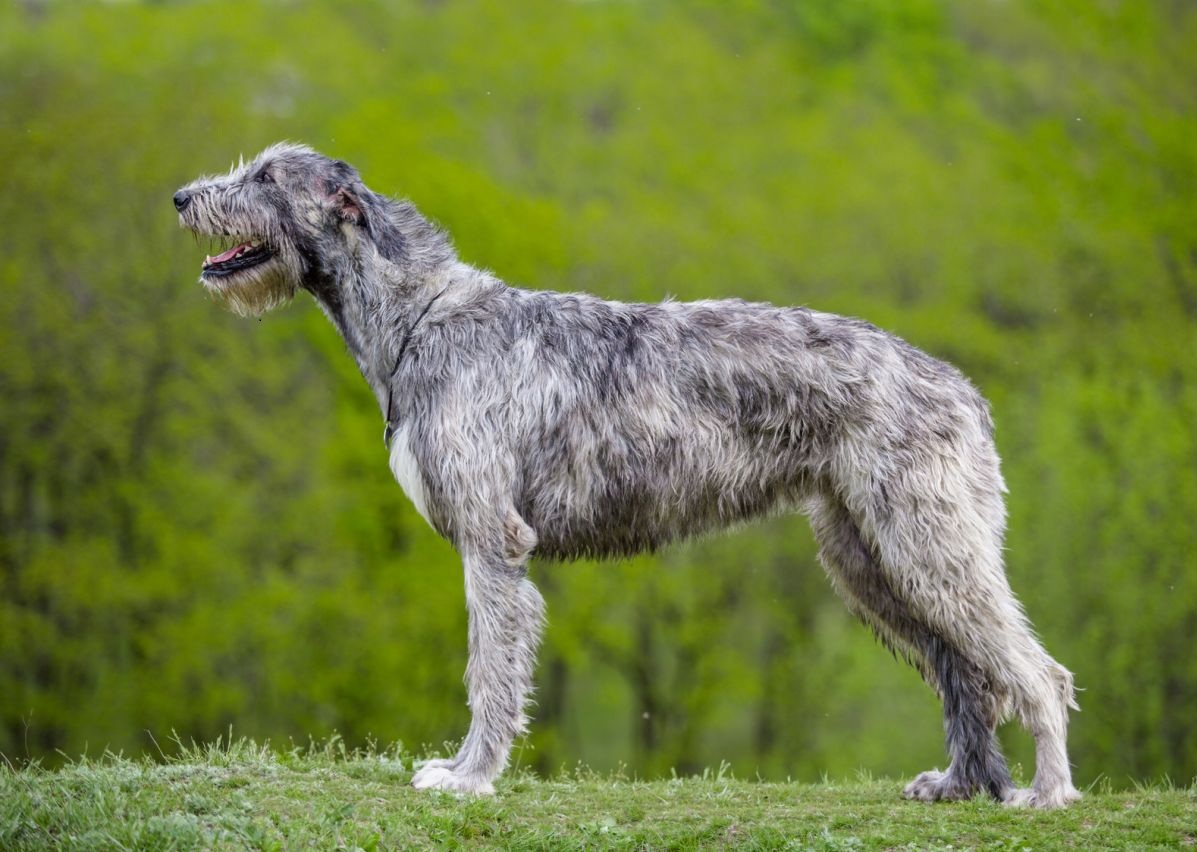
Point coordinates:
[(615, 428)]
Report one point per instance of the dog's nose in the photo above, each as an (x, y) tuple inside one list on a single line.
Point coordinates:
[(182, 199)]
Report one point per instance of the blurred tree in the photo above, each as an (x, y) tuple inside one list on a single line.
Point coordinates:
[(197, 526)]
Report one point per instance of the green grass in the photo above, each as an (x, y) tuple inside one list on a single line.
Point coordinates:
[(248, 796)]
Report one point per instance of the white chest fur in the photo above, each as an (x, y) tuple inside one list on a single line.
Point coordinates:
[(407, 472)]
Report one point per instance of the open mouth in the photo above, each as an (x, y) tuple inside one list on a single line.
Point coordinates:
[(238, 258)]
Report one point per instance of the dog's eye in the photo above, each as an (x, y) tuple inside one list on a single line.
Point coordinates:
[(263, 177)]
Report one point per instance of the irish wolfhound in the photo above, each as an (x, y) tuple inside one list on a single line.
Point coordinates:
[(560, 424)]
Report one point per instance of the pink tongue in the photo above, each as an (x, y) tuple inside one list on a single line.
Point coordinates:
[(231, 253)]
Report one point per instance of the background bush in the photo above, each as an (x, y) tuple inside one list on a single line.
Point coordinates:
[(197, 524)]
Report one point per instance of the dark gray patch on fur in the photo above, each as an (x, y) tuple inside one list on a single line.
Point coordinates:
[(970, 720)]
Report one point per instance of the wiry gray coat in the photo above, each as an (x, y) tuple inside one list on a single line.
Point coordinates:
[(524, 422)]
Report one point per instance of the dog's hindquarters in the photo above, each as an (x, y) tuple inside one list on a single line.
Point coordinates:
[(915, 547), (970, 707)]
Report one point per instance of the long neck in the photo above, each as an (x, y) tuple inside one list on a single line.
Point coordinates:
[(378, 282), (374, 302)]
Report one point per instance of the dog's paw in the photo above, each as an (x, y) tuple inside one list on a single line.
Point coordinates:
[(936, 786), (434, 763), (1029, 797), (444, 777), (428, 768), (925, 787)]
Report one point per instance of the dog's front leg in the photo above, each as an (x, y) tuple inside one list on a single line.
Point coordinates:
[(506, 614)]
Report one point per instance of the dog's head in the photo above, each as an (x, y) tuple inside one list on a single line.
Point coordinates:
[(278, 220)]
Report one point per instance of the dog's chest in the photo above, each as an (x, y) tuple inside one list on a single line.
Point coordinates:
[(407, 472)]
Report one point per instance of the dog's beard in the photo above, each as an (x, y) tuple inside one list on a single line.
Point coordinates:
[(255, 291)]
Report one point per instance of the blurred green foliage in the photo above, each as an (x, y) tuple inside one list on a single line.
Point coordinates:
[(197, 523)]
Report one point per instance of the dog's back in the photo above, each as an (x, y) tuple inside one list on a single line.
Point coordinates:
[(631, 425)]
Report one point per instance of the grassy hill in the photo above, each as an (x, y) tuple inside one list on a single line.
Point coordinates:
[(250, 796)]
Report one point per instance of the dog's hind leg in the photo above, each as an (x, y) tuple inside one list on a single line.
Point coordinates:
[(942, 555), (988, 621), (970, 707), (506, 617), (1033, 686)]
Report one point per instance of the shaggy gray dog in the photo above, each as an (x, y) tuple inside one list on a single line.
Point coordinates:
[(523, 422)]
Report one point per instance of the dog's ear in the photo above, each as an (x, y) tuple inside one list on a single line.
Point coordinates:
[(345, 193), (346, 205)]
